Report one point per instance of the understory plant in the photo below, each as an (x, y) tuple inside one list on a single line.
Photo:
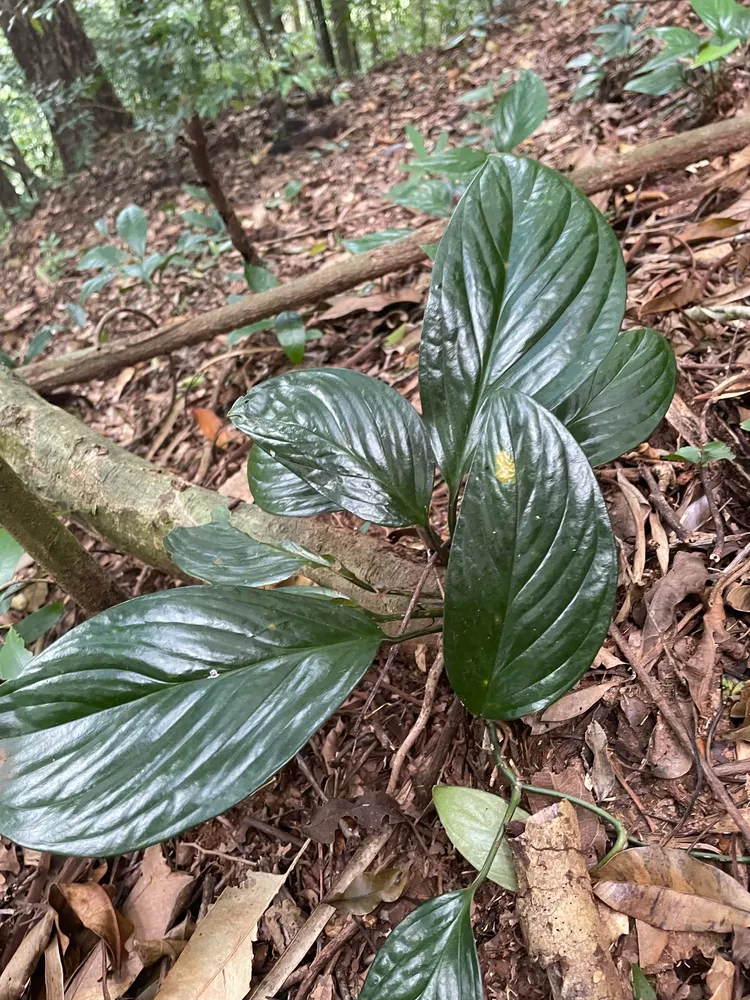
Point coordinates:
[(168, 709), (617, 41), (690, 60)]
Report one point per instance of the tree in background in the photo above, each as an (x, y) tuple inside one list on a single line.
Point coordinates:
[(322, 36), (63, 72), (342, 33)]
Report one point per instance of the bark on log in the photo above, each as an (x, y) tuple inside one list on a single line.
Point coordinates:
[(108, 359), (556, 909), (133, 504)]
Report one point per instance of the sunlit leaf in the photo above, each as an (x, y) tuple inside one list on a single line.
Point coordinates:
[(98, 257), (132, 228), (167, 710), (432, 197), (13, 655), (291, 335), (451, 162), (533, 566), (471, 819), (351, 437)]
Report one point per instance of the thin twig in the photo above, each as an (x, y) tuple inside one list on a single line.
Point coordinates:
[(708, 489), (111, 313), (659, 698), (660, 502), (430, 689)]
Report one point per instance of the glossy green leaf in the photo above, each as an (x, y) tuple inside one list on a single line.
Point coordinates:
[(10, 553), (132, 228), (478, 96), (658, 82), (589, 84), (278, 491), (528, 291), (520, 111), (260, 279), (625, 399), (167, 710), (471, 819), (374, 240), (220, 553), (351, 437), (432, 197), (725, 18), (98, 257), (291, 335), (431, 955), (38, 622), (533, 567), (680, 45), (451, 162), (714, 53), (13, 655), (686, 454)]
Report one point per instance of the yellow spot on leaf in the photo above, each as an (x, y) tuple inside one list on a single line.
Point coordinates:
[(505, 467)]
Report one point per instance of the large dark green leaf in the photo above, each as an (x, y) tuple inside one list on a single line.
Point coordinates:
[(519, 111), (533, 568), (276, 490), (351, 437), (167, 710), (431, 955), (528, 291), (220, 553), (625, 399), (725, 18)]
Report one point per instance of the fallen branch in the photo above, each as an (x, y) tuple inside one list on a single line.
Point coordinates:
[(556, 909), (108, 359), (133, 504)]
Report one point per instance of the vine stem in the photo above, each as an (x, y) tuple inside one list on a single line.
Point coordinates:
[(621, 839), (513, 802)]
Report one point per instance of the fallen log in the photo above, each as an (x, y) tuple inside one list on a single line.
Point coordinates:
[(133, 504), (108, 359)]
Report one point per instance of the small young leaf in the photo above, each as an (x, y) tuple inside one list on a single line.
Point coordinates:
[(528, 291), (13, 655), (95, 284), (38, 622), (247, 331), (278, 491), (351, 437), (292, 189), (625, 399), (374, 240), (259, 279), (712, 53), (642, 988), (167, 710), (478, 96), (98, 257), (431, 955), (291, 335), (220, 553), (416, 140), (10, 553), (77, 313), (471, 819), (452, 162), (39, 343), (132, 228), (717, 451), (686, 454), (519, 111), (532, 572)]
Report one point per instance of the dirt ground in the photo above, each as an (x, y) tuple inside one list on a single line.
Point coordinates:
[(678, 256)]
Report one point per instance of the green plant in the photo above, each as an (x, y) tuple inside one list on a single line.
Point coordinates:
[(168, 709), (53, 259), (712, 451), (518, 113), (618, 40), (689, 60)]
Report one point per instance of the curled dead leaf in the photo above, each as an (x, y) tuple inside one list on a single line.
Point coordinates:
[(92, 907), (367, 891)]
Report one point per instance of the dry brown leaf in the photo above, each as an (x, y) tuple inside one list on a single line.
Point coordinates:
[(570, 781), (703, 670), (54, 979), (671, 890), (687, 576), (661, 542), (151, 908), (666, 756), (152, 951), (714, 226), (13, 318), (217, 962), (576, 703), (213, 428), (720, 979), (323, 989), (639, 509), (651, 944), (659, 951), (738, 597), (603, 777), (17, 972), (685, 294), (367, 891), (349, 304), (237, 486), (93, 907), (9, 860)]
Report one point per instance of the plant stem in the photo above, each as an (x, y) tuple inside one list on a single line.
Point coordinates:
[(396, 639), (51, 545), (515, 798), (621, 839), (431, 540)]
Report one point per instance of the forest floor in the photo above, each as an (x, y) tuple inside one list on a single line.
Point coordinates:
[(678, 255)]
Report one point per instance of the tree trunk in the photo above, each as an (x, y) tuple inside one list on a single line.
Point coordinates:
[(318, 18), (57, 52), (31, 182), (9, 198), (342, 34), (297, 15), (373, 31), (269, 18), (252, 16)]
